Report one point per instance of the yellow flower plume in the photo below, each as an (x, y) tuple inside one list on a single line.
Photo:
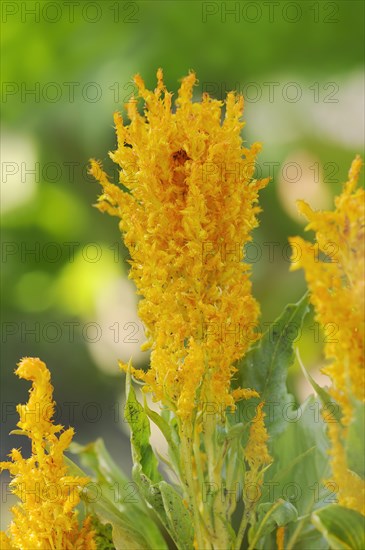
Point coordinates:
[(46, 517), (187, 204), (335, 273), (256, 452), (336, 286)]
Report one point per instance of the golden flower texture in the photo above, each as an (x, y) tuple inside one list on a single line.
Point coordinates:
[(187, 205), (336, 284), (46, 518), (256, 452), (351, 488)]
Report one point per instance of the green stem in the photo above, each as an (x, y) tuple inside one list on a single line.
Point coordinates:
[(242, 528), (215, 463), (186, 455), (299, 527), (261, 526)]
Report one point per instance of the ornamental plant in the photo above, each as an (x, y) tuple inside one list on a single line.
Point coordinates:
[(238, 473)]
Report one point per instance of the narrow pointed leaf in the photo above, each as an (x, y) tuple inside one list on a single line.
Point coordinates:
[(344, 529)]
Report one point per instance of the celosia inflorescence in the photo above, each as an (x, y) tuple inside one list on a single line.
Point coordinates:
[(187, 205), (336, 284), (46, 517)]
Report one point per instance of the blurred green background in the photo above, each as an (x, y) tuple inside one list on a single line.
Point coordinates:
[(67, 67)]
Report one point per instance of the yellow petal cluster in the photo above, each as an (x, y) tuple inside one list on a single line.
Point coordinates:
[(336, 283), (46, 517), (335, 273), (187, 204), (351, 488), (256, 451)]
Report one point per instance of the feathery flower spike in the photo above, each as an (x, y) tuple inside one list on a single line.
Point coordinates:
[(337, 284), (187, 204), (46, 517)]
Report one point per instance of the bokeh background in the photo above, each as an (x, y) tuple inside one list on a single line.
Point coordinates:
[(67, 67)]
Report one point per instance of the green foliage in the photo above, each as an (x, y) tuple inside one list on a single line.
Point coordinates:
[(163, 498), (104, 535), (96, 457), (168, 431), (265, 366), (344, 529), (113, 498), (143, 457), (327, 401), (270, 516), (298, 439), (178, 516), (299, 468)]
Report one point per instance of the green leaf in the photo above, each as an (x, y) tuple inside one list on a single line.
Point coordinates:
[(153, 496), (234, 432), (270, 516), (355, 440), (110, 498), (131, 535), (178, 516), (265, 366), (103, 534), (115, 536), (309, 537), (169, 434), (108, 512), (324, 396), (275, 515), (139, 423), (124, 540), (110, 480), (301, 463), (161, 497), (344, 529), (151, 493), (96, 457)]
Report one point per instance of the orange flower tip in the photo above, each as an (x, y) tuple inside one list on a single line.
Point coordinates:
[(263, 182), (257, 147), (159, 76), (29, 360), (355, 167), (244, 393), (117, 117), (138, 80), (353, 175), (95, 168), (31, 368), (123, 366), (146, 346), (187, 82), (304, 208)]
